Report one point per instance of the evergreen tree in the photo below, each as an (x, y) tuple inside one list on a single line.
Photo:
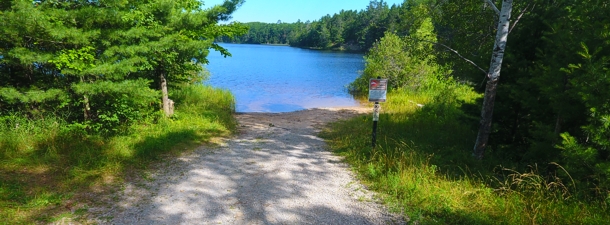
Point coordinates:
[(103, 56)]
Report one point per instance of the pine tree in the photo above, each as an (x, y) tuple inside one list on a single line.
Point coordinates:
[(103, 56)]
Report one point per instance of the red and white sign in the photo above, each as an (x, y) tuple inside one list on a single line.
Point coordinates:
[(378, 90)]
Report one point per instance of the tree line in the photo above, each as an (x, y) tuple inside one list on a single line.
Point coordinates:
[(347, 30)]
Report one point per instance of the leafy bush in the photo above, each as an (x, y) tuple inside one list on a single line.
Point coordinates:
[(406, 62), (114, 104)]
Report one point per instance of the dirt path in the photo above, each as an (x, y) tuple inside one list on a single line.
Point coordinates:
[(276, 171)]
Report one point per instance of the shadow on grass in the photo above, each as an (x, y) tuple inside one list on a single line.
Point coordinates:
[(37, 174), (154, 146), (436, 131), (38, 183), (48, 168), (423, 162), (415, 149)]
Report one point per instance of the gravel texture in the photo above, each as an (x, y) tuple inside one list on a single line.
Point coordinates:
[(275, 171)]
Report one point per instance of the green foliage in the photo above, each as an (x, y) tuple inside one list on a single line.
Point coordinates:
[(33, 103), (117, 104), (422, 166), (78, 104), (552, 102), (46, 163), (387, 59), (49, 48), (65, 58), (12, 96), (263, 33), (407, 62), (347, 30), (192, 98), (549, 157), (74, 61), (555, 102)]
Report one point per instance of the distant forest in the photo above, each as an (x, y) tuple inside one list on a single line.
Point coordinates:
[(347, 30)]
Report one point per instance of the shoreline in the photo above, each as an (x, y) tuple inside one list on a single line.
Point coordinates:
[(334, 49)]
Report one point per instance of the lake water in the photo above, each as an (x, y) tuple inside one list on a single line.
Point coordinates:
[(267, 78)]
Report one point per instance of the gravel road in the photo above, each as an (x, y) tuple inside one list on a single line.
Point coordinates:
[(275, 171)]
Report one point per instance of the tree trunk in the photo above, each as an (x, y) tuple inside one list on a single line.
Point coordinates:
[(557, 130), (86, 105), (86, 108), (165, 98), (493, 76), (560, 112)]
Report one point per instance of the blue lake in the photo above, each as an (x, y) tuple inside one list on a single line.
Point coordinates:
[(267, 78)]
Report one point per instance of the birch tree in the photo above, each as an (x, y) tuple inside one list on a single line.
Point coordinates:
[(493, 76)]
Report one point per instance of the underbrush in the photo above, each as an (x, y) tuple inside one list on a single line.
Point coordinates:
[(45, 163), (422, 166)]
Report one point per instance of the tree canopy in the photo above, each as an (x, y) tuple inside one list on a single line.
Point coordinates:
[(552, 98), (108, 58)]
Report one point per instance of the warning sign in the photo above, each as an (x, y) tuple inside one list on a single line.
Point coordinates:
[(378, 89)]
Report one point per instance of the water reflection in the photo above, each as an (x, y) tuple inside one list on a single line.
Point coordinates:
[(283, 79)]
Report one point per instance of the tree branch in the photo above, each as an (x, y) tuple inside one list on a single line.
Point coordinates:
[(493, 6), (454, 51), (519, 17)]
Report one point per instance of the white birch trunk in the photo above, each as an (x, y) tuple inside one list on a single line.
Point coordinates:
[(493, 77)]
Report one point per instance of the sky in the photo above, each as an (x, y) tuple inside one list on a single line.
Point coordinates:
[(289, 11)]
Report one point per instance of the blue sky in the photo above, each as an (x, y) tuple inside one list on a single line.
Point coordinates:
[(270, 11)]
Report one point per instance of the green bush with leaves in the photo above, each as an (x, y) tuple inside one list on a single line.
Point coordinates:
[(406, 61), (586, 153), (115, 104)]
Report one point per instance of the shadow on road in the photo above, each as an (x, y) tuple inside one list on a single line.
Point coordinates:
[(276, 171)]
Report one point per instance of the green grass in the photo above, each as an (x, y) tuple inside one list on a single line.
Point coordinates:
[(422, 166), (45, 164)]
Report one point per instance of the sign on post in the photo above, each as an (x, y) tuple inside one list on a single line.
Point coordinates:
[(378, 89)]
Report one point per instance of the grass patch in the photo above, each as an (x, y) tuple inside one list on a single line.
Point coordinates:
[(422, 166), (45, 163)]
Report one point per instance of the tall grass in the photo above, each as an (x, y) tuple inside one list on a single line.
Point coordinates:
[(44, 163), (422, 166)]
